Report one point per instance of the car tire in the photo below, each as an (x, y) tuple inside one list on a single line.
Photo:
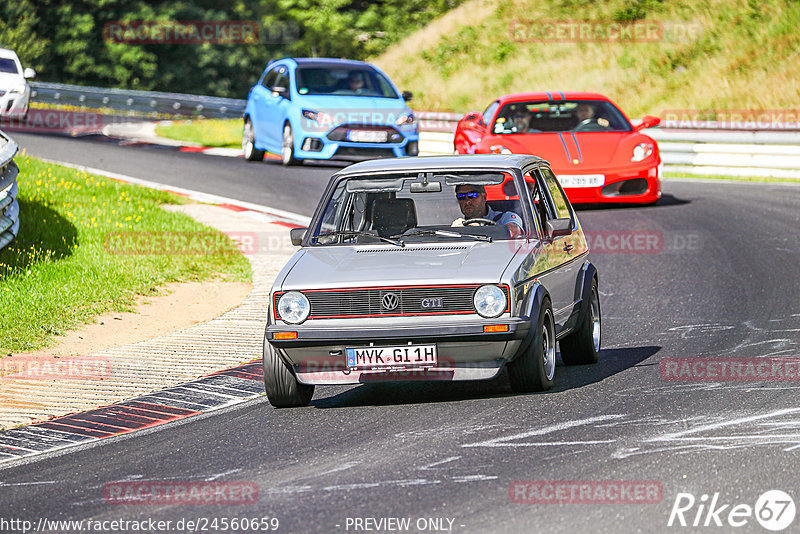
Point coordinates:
[(287, 146), (535, 368), (283, 388), (583, 345), (251, 153)]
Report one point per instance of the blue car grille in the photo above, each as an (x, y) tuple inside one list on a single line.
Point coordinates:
[(340, 133)]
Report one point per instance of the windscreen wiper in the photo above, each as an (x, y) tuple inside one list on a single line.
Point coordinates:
[(443, 233), (357, 233)]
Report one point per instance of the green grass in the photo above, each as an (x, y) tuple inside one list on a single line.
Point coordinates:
[(226, 133), (713, 55), (73, 260)]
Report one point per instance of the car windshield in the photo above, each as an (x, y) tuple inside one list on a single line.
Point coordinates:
[(8, 65), (560, 116), (421, 207), (360, 81)]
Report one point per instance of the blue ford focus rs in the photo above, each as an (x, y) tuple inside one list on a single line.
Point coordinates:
[(315, 108)]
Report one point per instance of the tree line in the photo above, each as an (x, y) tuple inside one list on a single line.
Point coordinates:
[(197, 46)]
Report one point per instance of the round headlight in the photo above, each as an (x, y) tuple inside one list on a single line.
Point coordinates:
[(293, 307), (489, 301)]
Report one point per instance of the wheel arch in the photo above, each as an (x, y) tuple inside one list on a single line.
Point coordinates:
[(533, 307)]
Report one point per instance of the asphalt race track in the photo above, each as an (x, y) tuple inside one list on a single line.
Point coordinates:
[(712, 275)]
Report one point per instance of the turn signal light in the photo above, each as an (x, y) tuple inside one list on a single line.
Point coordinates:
[(284, 335), (495, 328)]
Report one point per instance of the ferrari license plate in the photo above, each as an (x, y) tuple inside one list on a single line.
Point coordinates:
[(398, 356), (581, 180), (366, 136)]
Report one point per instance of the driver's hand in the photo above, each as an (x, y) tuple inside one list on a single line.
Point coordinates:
[(458, 222)]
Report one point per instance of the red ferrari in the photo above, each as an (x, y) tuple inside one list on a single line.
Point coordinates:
[(591, 145)]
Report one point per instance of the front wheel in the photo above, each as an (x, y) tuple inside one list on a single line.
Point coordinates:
[(287, 146), (251, 153), (535, 368), (283, 388), (583, 345)]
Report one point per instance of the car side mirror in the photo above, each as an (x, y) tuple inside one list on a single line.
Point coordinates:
[(407, 95), (648, 121), (297, 235), (282, 91), (29, 73), (559, 227)]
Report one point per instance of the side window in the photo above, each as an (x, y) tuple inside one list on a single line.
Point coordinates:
[(283, 78), (487, 115), (539, 208), (269, 78), (559, 200)]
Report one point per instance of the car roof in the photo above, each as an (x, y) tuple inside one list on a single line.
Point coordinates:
[(5, 52), (440, 163), (552, 95), (328, 62)]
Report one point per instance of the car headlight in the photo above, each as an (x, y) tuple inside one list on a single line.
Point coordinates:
[(499, 149), (405, 119), (20, 90), (641, 151), (318, 116), (490, 301), (293, 307)]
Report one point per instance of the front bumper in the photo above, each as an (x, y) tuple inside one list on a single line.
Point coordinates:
[(14, 104), (324, 148), (465, 350), (640, 185)]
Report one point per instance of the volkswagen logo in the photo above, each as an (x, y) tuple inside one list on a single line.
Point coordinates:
[(389, 301)]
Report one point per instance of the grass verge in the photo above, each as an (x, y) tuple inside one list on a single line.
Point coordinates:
[(225, 133), (88, 245)]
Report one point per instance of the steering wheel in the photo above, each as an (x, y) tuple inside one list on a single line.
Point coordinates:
[(480, 221), (585, 122)]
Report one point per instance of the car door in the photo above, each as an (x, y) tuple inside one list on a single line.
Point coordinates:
[(276, 107), (261, 97), (562, 251)]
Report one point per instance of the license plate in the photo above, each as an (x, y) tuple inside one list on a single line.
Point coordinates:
[(366, 136), (397, 356), (581, 180)]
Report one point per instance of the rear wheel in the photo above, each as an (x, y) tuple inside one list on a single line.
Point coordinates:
[(281, 384), (535, 368), (251, 153), (583, 345), (287, 146)]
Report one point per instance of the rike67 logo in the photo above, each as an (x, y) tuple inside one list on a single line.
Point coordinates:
[(774, 510)]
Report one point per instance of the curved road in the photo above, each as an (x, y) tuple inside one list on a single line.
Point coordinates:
[(711, 276)]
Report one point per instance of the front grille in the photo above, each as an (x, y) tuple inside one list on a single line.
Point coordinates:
[(369, 302), (346, 152), (339, 133)]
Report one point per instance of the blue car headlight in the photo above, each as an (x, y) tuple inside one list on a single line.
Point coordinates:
[(406, 119)]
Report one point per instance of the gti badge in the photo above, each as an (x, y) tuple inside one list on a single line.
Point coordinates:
[(432, 303)]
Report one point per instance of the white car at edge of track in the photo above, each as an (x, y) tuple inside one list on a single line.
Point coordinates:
[(15, 93)]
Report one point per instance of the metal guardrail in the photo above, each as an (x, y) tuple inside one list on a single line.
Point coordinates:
[(138, 102), (9, 207)]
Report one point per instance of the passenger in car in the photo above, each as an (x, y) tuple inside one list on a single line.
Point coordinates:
[(472, 202)]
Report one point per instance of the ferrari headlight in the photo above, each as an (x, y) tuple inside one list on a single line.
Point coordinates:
[(499, 149), (490, 301), (406, 118), (641, 151), (293, 307), (20, 90)]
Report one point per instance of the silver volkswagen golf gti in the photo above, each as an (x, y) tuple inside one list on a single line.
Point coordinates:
[(433, 268)]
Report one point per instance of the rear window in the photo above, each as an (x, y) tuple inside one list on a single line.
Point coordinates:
[(8, 65)]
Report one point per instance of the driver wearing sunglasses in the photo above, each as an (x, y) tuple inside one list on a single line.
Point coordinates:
[(472, 201)]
